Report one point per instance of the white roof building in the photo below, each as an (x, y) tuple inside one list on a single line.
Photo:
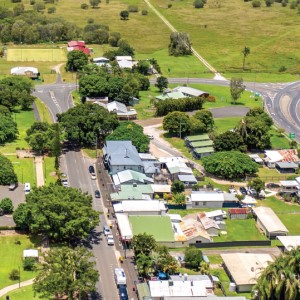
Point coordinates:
[(125, 62), (273, 156), (31, 253), (121, 110), (290, 242), (124, 226), (140, 207), (161, 188), (245, 268), (24, 71), (190, 92), (289, 183), (216, 213)]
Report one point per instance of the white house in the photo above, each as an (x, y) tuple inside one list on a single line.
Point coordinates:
[(140, 207), (25, 71), (125, 62), (31, 253)]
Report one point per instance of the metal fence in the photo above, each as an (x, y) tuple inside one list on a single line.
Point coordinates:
[(232, 244)]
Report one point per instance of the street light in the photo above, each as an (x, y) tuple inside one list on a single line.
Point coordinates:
[(19, 277)]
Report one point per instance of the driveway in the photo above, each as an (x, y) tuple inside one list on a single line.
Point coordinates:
[(17, 196)]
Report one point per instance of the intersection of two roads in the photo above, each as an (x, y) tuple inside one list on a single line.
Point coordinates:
[(281, 101)]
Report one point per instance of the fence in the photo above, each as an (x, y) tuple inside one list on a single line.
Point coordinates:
[(232, 244)]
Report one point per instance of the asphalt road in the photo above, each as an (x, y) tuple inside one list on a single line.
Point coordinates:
[(58, 99)]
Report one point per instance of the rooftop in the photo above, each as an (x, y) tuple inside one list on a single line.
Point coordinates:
[(139, 205), (187, 178), (124, 226), (23, 70), (289, 183), (190, 91), (158, 226), (171, 95), (290, 241), (128, 175), (204, 150), (207, 222), (195, 138), (287, 165), (215, 213), (200, 144)]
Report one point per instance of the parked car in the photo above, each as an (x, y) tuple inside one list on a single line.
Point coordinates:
[(13, 186), (106, 230), (110, 240), (91, 169), (123, 292), (243, 190), (252, 192), (97, 194), (64, 182), (93, 176), (232, 191), (272, 185), (151, 137)]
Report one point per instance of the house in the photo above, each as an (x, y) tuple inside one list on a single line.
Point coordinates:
[(79, 46), (289, 242), (161, 189), (288, 155), (245, 268), (289, 186), (190, 92), (140, 207), (121, 155), (217, 215), (208, 224), (238, 213), (176, 168), (170, 95), (199, 199), (119, 109), (187, 179), (30, 72), (269, 223), (151, 168), (101, 61), (130, 177), (125, 62), (133, 192), (286, 167), (31, 253)]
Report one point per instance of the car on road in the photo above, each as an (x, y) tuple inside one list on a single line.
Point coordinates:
[(65, 182), (151, 137), (12, 186), (110, 240), (91, 169), (97, 194), (232, 191), (106, 230), (243, 190), (93, 176), (252, 192), (123, 292)]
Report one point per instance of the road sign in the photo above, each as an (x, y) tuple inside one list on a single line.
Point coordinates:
[(292, 135)]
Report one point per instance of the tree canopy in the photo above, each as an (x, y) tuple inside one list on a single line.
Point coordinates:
[(206, 118), (193, 258), (237, 88), (84, 122), (228, 141), (66, 272), (161, 83), (132, 132), (76, 61), (60, 213), (8, 129), (177, 187), (230, 164), (7, 173), (257, 184), (180, 44), (177, 123), (143, 244)]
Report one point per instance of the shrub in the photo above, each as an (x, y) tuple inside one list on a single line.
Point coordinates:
[(169, 5), (293, 5), (144, 12), (14, 274), (284, 3), (29, 264), (32, 2), (282, 68), (133, 8), (256, 3), (269, 3), (51, 10), (90, 21), (84, 6), (16, 1), (198, 4), (6, 205)]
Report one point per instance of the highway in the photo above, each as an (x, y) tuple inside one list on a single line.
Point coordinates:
[(58, 99)]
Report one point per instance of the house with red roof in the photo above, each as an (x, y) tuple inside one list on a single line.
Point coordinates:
[(79, 46)]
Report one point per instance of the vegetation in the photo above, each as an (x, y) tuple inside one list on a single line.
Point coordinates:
[(177, 187), (177, 123), (76, 61), (161, 83), (8, 128), (257, 184), (180, 44), (66, 272), (230, 165), (193, 258), (7, 174), (236, 88), (6, 205), (60, 213), (132, 132), (229, 141)]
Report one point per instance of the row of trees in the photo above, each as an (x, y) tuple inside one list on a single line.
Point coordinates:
[(7, 174), (8, 127)]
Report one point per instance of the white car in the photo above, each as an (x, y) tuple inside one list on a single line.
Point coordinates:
[(93, 176), (110, 240), (106, 230), (65, 182), (233, 191)]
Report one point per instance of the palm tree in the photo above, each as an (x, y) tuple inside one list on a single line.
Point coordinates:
[(245, 52)]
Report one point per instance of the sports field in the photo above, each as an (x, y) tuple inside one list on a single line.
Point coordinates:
[(36, 55)]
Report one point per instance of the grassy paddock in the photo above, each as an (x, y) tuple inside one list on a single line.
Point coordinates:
[(24, 54)]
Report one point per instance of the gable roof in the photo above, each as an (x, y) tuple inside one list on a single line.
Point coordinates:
[(287, 165), (238, 211), (171, 95), (23, 70), (122, 153), (128, 175), (190, 91)]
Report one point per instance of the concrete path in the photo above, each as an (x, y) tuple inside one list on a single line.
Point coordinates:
[(15, 286), (40, 180)]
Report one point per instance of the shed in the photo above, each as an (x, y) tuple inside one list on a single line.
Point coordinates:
[(289, 186), (286, 167), (196, 138), (190, 92), (269, 223), (124, 226), (256, 158), (238, 213), (25, 71), (31, 253), (289, 242), (208, 224), (217, 215), (201, 152), (187, 179)]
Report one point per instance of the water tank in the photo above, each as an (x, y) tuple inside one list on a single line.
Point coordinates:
[(232, 287)]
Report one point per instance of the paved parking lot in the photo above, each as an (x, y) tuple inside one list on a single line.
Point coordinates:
[(17, 196)]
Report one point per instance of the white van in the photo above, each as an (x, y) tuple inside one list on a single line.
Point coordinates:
[(27, 188), (120, 276)]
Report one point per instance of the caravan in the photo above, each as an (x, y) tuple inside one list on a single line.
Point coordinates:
[(120, 276)]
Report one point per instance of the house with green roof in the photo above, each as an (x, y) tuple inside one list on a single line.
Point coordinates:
[(170, 95), (200, 145), (130, 177), (133, 192)]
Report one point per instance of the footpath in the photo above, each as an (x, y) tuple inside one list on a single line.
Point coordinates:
[(15, 286)]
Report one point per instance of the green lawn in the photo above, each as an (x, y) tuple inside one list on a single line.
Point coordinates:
[(225, 124), (280, 207), (270, 175), (23, 293), (41, 55), (49, 170), (44, 112), (291, 222), (279, 141), (11, 254)]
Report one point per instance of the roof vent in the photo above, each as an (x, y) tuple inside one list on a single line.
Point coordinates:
[(126, 153)]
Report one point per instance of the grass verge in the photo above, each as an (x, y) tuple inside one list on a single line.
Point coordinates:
[(44, 113)]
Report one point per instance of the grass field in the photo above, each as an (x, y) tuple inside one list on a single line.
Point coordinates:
[(44, 113), (11, 254), (22, 294), (41, 55)]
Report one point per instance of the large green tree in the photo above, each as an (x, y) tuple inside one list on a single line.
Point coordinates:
[(206, 117), (7, 174), (229, 140), (229, 165), (76, 61), (177, 123), (193, 258), (8, 129), (237, 88), (84, 122), (66, 272), (161, 83), (180, 44), (143, 243), (257, 184), (60, 213), (133, 132), (280, 279)]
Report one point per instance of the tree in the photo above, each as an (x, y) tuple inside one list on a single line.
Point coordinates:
[(133, 132), (230, 165), (7, 174), (114, 38), (144, 264), (66, 272), (39, 6), (29, 264), (177, 123), (280, 279), (198, 4), (257, 184), (236, 88), (206, 117), (179, 198), (180, 44), (245, 52), (84, 122), (142, 67), (7, 206), (260, 114), (60, 213), (161, 83), (93, 85), (8, 129), (229, 140), (76, 61), (124, 14), (95, 3), (193, 258), (177, 187), (56, 145), (143, 243), (164, 261)]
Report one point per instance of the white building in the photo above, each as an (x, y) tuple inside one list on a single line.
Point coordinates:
[(25, 71)]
